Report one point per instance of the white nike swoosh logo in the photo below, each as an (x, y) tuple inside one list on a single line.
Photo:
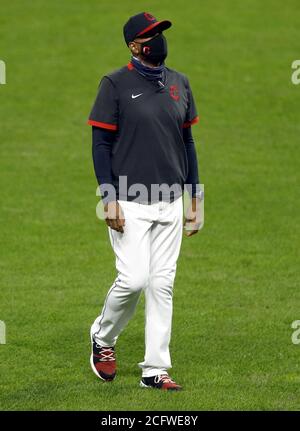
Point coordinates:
[(136, 95)]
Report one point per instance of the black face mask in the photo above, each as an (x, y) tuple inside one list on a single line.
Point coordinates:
[(155, 50)]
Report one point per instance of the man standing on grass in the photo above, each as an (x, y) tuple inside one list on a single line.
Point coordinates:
[(144, 155)]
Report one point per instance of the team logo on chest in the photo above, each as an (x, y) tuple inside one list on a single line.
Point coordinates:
[(174, 92)]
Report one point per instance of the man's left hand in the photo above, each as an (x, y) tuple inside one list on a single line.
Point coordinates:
[(193, 219)]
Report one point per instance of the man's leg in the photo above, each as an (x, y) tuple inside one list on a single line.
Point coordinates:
[(132, 250), (166, 236)]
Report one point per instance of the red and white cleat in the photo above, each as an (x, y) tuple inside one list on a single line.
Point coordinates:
[(103, 361), (161, 381)]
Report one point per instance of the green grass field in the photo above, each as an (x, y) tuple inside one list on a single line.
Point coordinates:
[(237, 286)]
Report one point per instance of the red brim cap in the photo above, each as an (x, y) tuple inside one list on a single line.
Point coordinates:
[(154, 28)]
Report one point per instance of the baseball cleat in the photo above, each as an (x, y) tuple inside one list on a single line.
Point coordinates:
[(103, 361), (161, 381)]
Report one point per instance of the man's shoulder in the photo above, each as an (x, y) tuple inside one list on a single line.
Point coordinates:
[(179, 75), (117, 75)]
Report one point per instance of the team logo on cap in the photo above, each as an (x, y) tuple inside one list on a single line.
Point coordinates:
[(149, 17), (174, 92)]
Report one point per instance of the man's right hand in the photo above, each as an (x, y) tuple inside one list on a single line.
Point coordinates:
[(114, 216)]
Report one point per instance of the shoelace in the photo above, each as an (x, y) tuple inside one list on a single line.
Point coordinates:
[(165, 378), (107, 353)]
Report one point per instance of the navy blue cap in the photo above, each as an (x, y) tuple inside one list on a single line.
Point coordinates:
[(143, 25)]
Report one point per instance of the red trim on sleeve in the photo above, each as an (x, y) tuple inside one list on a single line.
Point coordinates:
[(189, 123), (130, 66), (103, 125)]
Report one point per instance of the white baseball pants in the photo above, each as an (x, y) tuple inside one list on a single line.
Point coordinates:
[(146, 256)]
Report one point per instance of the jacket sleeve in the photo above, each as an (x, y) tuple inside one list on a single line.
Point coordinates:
[(192, 179), (191, 112), (105, 110), (102, 141)]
